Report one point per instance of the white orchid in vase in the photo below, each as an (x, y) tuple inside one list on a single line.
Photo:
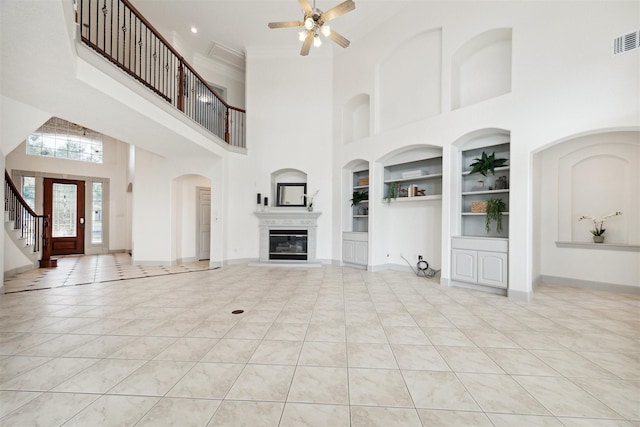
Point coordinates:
[(310, 200), (598, 223)]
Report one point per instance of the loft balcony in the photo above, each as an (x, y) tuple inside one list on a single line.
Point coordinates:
[(117, 30)]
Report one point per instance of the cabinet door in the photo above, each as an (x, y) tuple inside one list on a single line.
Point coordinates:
[(361, 253), (464, 265), (348, 251), (492, 269)]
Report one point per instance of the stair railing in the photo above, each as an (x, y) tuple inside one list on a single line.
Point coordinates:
[(118, 31), (31, 226)]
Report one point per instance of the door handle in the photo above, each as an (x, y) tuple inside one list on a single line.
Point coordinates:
[(81, 220)]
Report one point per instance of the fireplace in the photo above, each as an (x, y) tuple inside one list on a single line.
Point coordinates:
[(288, 244), (288, 235)]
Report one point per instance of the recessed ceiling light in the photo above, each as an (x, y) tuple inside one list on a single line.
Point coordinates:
[(194, 30)]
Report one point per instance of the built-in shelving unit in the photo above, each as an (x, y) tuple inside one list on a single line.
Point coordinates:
[(479, 258), (479, 188), (361, 210), (355, 243), (415, 181)]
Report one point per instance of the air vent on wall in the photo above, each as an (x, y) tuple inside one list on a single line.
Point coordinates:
[(626, 42)]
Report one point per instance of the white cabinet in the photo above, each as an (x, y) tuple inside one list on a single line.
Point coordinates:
[(464, 265), (355, 248), (492, 269), (480, 261)]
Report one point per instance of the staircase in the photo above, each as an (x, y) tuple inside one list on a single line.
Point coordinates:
[(26, 229)]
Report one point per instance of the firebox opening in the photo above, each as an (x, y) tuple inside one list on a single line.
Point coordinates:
[(288, 245)]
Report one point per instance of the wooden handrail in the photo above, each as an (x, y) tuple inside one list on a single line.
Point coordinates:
[(119, 32), (36, 229), (18, 196)]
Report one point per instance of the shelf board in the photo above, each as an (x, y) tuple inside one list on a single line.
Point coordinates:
[(473, 193), (479, 213), (500, 169), (361, 187), (361, 216), (415, 199), (418, 178)]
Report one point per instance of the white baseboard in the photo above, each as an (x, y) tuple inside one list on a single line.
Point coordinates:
[(578, 283), (521, 296)]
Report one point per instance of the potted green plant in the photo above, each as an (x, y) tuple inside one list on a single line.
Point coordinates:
[(495, 207), (359, 196), (485, 164), (598, 226), (392, 192)]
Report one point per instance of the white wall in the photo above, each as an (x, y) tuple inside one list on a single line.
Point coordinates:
[(223, 75), (161, 190), (288, 127), (564, 82), (568, 191)]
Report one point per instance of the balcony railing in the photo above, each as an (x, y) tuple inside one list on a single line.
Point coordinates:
[(116, 30)]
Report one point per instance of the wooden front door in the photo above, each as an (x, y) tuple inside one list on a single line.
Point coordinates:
[(64, 202)]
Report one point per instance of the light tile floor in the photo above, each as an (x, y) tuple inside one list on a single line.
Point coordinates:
[(73, 270), (326, 346)]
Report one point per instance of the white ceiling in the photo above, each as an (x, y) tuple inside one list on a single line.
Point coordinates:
[(237, 24)]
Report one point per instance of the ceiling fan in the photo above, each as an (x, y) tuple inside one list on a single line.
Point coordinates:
[(314, 23)]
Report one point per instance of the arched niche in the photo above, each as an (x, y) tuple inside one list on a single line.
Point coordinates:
[(355, 118), (410, 81), (595, 175), (481, 68), (286, 175), (350, 174)]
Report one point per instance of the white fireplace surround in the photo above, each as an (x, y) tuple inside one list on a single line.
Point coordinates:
[(276, 219)]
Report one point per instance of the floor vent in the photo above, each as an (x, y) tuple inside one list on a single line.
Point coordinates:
[(626, 42)]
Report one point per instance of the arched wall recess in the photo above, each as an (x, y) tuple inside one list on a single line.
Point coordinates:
[(289, 175), (410, 81), (481, 68), (355, 118), (596, 180)]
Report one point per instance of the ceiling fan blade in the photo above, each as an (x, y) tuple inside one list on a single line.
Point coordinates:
[(285, 24), (305, 6), (339, 39), (306, 46), (339, 10)]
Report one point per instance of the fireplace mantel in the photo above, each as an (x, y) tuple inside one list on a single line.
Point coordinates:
[(280, 219)]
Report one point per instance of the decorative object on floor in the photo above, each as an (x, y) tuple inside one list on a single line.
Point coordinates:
[(359, 196), (314, 22), (598, 223), (485, 164), (392, 192), (310, 200), (495, 207)]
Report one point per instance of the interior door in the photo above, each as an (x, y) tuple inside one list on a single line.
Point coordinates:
[(204, 223), (64, 202)]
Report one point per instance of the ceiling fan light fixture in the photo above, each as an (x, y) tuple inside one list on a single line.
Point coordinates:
[(309, 23), (316, 41), (302, 35), (325, 30)]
